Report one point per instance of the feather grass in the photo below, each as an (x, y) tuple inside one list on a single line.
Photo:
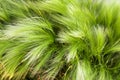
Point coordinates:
[(59, 39)]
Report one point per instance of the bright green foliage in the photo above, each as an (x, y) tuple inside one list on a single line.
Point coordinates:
[(60, 39)]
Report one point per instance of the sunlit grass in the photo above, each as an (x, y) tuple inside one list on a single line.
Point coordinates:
[(59, 39)]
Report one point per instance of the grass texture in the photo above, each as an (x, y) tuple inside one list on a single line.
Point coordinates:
[(59, 39)]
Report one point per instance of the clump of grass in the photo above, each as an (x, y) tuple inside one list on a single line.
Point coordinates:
[(59, 40)]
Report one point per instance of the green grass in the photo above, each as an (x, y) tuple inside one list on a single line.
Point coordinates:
[(59, 40)]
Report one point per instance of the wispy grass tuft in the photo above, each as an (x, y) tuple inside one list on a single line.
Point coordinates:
[(59, 39)]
